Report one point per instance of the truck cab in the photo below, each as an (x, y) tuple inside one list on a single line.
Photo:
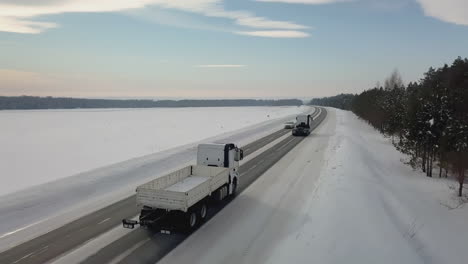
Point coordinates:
[(219, 155), (302, 126), (222, 155)]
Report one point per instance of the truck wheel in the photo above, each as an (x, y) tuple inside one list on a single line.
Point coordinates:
[(192, 220), (203, 210)]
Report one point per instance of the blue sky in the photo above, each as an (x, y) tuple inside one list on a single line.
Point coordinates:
[(220, 49)]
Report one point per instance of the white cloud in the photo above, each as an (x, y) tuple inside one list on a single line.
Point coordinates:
[(248, 19), (452, 11), (18, 16), (12, 24), (221, 66), (275, 33), (261, 22)]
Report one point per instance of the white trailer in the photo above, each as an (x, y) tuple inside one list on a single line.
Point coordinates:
[(181, 198)]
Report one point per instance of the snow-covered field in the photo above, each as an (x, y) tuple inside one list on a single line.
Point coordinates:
[(341, 196), (45, 145), (43, 207)]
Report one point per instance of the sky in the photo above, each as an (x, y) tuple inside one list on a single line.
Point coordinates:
[(222, 48)]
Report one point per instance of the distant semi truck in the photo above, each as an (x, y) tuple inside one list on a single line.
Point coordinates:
[(302, 126), (180, 199)]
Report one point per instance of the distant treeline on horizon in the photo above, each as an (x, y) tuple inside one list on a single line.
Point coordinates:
[(35, 102)]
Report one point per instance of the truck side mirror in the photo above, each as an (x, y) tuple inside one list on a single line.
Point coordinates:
[(239, 155)]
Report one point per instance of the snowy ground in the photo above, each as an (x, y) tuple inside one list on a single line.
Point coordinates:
[(341, 196), (41, 208), (45, 145)]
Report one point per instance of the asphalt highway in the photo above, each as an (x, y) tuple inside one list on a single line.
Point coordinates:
[(149, 247), (146, 246)]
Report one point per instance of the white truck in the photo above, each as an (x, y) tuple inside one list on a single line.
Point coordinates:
[(180, 199)]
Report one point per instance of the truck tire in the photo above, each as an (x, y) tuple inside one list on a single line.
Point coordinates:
[(203, 211), (192, 220)]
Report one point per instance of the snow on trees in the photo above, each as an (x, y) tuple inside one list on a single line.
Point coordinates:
[(429, 117)]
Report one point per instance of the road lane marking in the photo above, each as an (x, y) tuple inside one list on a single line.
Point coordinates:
[(93, 245), (22, 228), (283, 146), (127, 252), (40, 251), (103, 221), (25, 256)]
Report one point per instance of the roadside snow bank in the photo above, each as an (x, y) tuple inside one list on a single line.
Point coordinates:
[(341, 196)]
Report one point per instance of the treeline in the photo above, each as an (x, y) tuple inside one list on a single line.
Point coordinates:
[(428, 119), (342, 101), (33, 102)]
